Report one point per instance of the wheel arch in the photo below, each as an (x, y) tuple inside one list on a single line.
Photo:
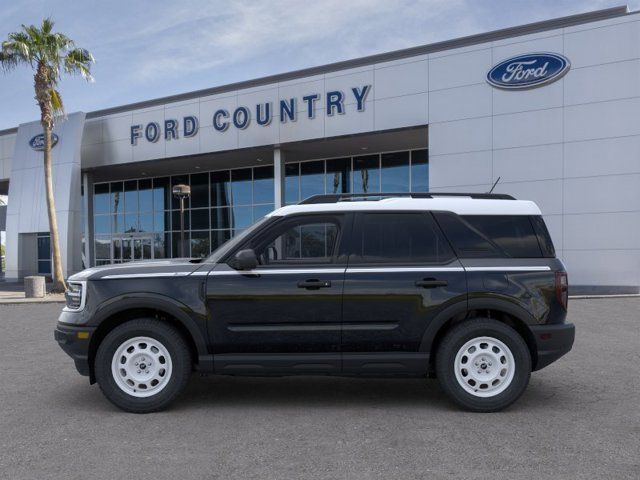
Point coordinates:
[(117, 311), (499, 309)]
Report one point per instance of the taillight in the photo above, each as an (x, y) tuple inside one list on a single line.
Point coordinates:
[(562, 289)]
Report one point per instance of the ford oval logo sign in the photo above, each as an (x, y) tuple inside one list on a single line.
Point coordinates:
[(528, 71), (37, 142)]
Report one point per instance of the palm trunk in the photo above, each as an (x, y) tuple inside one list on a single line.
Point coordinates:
[(59, 285), (42, 86)]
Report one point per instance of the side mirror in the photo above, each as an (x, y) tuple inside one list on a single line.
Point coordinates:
[(245, 260)]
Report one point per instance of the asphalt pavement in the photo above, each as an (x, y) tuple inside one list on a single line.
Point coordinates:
[(579, 418)]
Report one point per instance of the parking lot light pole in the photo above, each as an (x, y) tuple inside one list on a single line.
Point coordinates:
[(181, 192)]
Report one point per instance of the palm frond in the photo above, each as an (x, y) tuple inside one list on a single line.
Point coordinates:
[(78, 61), (56, 102)]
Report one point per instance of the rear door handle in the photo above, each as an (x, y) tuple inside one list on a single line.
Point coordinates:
[(431, 283), (314, 284)]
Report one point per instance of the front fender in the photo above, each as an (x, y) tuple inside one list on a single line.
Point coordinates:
[(193, 322)]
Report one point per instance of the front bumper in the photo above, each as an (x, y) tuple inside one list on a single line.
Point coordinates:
[(552, 342), (74, 340)]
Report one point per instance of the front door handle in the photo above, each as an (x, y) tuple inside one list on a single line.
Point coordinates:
[(431, 283), (314, 284)]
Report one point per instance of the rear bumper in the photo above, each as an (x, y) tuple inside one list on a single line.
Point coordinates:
[(552, 342), (74, 341)]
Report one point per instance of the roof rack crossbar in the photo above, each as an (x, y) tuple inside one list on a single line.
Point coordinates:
[(341, 197)]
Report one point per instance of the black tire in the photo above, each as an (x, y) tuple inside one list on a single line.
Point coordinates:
[(178, 351), (464, 332)]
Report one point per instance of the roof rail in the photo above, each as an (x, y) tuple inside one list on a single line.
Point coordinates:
[(351, 197)]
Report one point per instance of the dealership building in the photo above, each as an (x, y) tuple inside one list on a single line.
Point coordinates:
[(551, 109)]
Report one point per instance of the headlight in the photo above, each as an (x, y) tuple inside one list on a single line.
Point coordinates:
[(75, 295)]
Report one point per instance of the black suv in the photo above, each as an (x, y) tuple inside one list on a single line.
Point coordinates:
[(464, 287)]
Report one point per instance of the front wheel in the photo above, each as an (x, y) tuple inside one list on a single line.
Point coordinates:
[(143, 365), (483, 365)]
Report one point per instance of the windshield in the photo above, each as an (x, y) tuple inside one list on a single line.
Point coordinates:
[(230, 244)]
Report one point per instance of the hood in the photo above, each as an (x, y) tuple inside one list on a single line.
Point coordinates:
[(175, 266)]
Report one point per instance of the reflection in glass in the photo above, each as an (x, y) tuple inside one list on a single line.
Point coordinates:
[(101, 198), (292, 183), (161, 193), (263, 185), (395, 172), (232, 200), (242, 217), (161, 221), (131, 222), (117, 223), (241, 186), (338, 175), (200, 219), (175, 220), (366, 174), (218, 237), (220, 188), (260, 211), (101, 224), (200, 190), (145, 195), (175, 244), (311, 179), (146, 222), (103, 247), (131, 196), (220, 218), (420, 171), (117, 249), (160, 243), (127, 249), (199, 244), (116, 197)]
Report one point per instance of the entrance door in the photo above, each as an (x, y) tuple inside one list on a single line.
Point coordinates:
[(142, 248), (129, 249)]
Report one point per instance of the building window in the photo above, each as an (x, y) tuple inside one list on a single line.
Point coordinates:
[(393, 172), (140, 219)]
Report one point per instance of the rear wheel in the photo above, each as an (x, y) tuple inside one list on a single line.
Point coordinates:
[(483, 365), (143, 365)]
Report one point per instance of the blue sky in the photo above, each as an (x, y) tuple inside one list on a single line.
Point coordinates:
[(149, 49)]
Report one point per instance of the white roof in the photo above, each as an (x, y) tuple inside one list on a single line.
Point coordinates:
[(459, 205)]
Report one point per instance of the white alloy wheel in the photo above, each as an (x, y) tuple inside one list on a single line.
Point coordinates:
[(141, 367), (484, 367)]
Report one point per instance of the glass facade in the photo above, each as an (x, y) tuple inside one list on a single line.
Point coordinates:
[(393, 172), (140, 219)]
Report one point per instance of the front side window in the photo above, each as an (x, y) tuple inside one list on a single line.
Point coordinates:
[(399, 238), (302, 241)]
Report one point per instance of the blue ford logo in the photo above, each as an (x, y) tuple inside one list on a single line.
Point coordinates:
[(37, 142), (528, 71)]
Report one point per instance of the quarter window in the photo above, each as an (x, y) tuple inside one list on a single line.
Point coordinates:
[(491, 236), (399, 238)]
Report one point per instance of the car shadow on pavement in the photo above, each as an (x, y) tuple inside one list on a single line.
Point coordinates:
[(311, 392)]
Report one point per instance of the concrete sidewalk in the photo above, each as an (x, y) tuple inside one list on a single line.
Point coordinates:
[(13, 293)]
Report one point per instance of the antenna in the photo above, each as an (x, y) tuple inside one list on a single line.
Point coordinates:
[(494, 185)]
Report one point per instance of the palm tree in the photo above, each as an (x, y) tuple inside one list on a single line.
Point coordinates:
[(48, 54)]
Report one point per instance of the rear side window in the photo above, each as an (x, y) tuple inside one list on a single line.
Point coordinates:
[(490, 236), (514, 234), (544, 239), (399, 238)]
